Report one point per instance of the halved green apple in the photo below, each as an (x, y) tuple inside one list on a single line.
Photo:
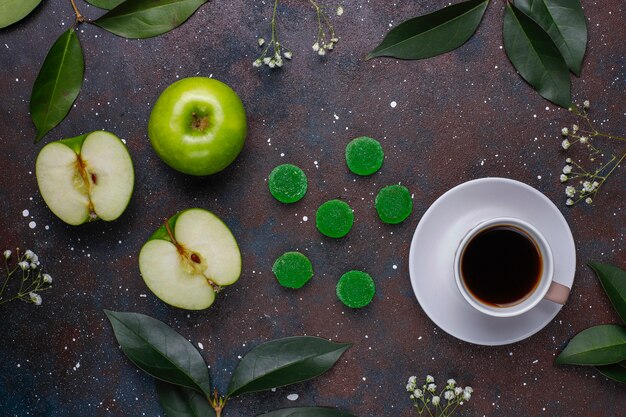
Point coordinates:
[(86, 178), (189, 259)]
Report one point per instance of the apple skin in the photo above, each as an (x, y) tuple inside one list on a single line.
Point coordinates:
[(198, 126), (85, 178), (168, 267)]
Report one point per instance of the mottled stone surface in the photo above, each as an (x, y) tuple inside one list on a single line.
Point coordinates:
[(460, 116)]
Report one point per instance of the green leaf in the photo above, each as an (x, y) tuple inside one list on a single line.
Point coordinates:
[(157, 349), (284, 361), (613, 281), (599, 345), (105, 4), (433, 34), (12, 11), (179, 401), (147, 18), (306, 412), (616, 372), (536, 57), (58, 83), (564, 20)]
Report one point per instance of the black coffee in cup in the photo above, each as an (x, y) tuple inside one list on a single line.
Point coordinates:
[(501, 265)]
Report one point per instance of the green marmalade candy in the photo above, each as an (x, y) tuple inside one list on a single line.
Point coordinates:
[(356, 289), (287, 183), (293, 270), (394, 204), (334, 218), (364, 155)]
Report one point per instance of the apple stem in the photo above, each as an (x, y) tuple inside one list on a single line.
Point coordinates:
[(199, 122)]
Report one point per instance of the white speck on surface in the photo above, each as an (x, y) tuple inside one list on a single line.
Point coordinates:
[(201, 346), (305, 218), (293, 397), (282, 154), (335, 116), (25, 213), (32, 225), (76, 366), (393, 104), (273, 389), (395, 267)]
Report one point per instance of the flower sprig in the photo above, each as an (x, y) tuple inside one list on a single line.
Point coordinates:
[(27, 268), (441, 403), (274, 51), (586, 182)]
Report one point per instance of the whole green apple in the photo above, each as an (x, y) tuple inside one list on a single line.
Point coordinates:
[(198, 126)]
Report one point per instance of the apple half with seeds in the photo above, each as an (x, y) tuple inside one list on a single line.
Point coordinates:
[(189, 259), (86, 178)]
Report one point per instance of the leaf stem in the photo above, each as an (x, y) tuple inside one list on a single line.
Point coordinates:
[(79, 17)]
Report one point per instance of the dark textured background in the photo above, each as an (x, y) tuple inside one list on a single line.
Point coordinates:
[(460, 116)]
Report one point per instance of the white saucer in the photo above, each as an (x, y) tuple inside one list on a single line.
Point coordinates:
[(431, 259)]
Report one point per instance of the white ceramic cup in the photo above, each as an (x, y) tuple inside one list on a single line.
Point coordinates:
[(547, 288)]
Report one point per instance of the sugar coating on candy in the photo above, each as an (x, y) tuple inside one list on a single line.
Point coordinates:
[(393, 204), (293, 270), (287, 183), (356, 289), (364, 155), (334, 218)]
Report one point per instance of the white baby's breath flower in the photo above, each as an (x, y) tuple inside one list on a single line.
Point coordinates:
[(586, 104), (288, 54), (33, 265), (468, 389), (35, 298), (563, 178), (29, 254), (429, 379), (458, 391), (587, 187), (261, 41), (24, 265), (567, 169), (257, 63), (267, 60), (272, 63), (339, 11), (449, 395), (570, 191), (7, 254), (418, 393), (321, 51), (432, 387), (584, 139), (565, 131), (436, 400), (565, 144), (467, 395), (595, 184), (451, 382), (316, 46), (329, 46), (588, 200), (334, 40), (46, 278), (568, 160), (569, 202), (575, 128)]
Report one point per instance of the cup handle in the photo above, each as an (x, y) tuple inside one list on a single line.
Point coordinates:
[(557, 293)]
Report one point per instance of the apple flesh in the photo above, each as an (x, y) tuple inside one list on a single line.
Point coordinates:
[(198, 126), (189, 259), (86, 178)]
